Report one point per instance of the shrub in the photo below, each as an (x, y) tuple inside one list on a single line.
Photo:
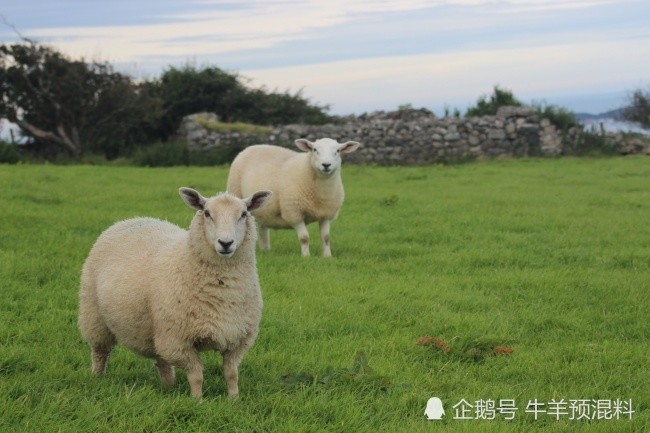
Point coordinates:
[(175, 153), (215, 156), (562, 118), (9, 153), (162, 154), (488, 107), (590, 143)]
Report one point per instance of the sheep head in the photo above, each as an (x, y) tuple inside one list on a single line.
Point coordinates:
[(224, 217), (325, 153)]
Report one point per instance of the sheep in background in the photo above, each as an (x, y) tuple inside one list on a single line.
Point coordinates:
[(306, 186), (168, 293)]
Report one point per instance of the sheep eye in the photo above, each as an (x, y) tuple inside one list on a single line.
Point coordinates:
[(243, 214), (206, 213)]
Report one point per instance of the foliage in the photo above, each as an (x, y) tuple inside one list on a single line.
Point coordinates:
[(488, 106), (162, 154), (638, 109), (9, 153), (190, 90), (62, 104), (175, 153), (563, 118), (590, 143), (551, 254), (275, 108), (72, 105), (448, 112), (212, 157)]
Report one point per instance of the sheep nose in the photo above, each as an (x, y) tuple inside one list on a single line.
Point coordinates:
[(326, 166), (225, 244)]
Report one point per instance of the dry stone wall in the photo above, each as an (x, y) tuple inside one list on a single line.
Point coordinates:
[(417, 137)]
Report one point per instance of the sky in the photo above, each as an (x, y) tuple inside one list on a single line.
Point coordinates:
[(358, 56)]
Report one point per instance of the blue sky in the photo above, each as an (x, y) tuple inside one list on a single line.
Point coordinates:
[(362, 55)]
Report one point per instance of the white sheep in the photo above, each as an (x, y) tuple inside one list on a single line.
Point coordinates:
[(306, 186), (168, 293)]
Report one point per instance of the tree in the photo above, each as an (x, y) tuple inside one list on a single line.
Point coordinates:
[(71, 104), (273, 108), (488, 107), (188, 90), (639, 108)]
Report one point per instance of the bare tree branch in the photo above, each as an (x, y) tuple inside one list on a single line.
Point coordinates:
[(15, 30)]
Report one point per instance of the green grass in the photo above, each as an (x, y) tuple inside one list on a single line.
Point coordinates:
[(548, 257)]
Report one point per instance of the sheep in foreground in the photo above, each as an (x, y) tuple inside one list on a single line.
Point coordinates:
[(306, 187), (168, 293)]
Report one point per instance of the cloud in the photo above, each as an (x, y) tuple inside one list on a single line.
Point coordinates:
[(354, 52), (259, 24), (433, 80), (210, 28)]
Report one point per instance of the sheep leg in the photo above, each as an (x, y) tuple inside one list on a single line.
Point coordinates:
[(231, 362), (166, 373), (303, 237), (325, 237), (195, 378), (265, 238), (95, 331), (187, 359), (99, 355)]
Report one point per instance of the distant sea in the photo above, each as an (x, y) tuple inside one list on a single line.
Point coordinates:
[(613, 125), (611, 122)]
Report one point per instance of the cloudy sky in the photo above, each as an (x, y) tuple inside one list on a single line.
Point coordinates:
[(362, 55)]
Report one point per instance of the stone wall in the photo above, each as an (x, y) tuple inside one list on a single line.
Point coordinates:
[(416, 137)]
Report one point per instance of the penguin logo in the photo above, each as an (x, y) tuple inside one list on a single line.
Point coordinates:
[(434, 409)]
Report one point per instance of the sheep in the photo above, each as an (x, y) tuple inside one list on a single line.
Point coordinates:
[(306, 187), (167, 293)]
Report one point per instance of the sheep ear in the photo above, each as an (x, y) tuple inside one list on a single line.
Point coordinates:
[(349, 146), (192, 198), (257, 200), (304, 145)]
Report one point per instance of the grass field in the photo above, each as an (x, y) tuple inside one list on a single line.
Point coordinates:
[(549, 258)]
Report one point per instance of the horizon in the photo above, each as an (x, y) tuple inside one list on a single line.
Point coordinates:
[(362, 56)]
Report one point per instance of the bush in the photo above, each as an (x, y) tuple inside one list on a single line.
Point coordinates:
[(590, 143), (499, 98), (9, 153), (162, 154), (70, 106), (188, 90), (175, 153), (213, 157), (562, 118)]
